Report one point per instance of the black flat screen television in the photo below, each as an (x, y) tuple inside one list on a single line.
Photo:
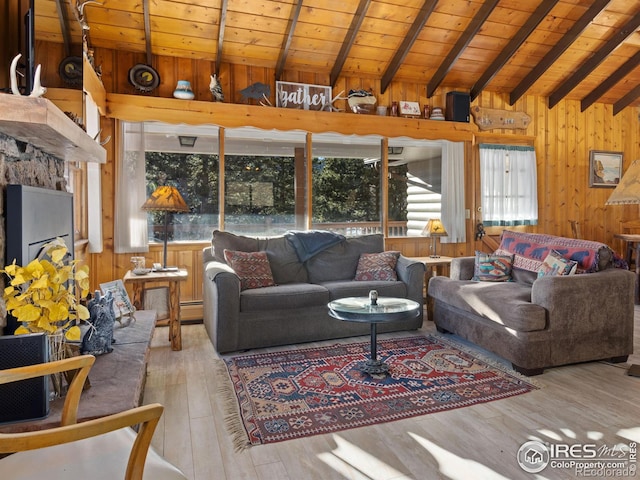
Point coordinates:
[(30, 47), (20, 38), (34, 217)]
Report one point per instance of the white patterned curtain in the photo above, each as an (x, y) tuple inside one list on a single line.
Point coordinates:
[(508, 182), (453, 215), (130, 229)]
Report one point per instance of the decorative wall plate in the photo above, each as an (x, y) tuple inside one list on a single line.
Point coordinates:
[(70, 70), (144, 77)]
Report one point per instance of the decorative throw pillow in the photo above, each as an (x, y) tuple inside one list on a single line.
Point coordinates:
[(492, 268), (252, 267), (377, 266), (556, 264)]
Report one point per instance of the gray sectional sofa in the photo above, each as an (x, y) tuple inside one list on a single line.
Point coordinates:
[(295, 309), (534, 322)]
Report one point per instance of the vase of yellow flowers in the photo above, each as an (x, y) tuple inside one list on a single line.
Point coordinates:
[(46, 295)]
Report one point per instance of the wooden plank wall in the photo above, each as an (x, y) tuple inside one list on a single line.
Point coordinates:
[(562, 136)]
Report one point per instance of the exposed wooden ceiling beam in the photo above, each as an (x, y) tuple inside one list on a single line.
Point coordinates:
[(64, 26), (407, 43), (147, 30), (221, 23), (610, 81), (536, 17), (558, 49), (598, 57), (461, 44), (291, 26), (356, 21), (626, 100)]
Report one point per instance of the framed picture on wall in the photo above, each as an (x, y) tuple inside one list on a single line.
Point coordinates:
[(605, 168)]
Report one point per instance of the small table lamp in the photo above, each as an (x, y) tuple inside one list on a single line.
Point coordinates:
[(165, 199), (434, 228)]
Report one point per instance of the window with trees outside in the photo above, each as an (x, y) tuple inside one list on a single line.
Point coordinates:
[(264, 182)]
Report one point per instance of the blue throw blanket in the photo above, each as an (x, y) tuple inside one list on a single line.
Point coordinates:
[(310, 243)]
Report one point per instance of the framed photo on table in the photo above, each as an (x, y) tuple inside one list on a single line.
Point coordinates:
[(605, 168), (122, 306)]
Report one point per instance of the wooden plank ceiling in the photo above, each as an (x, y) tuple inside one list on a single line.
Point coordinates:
[(587, 50)]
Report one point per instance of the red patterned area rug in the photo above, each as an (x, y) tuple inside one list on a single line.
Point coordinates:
[(297, 393)]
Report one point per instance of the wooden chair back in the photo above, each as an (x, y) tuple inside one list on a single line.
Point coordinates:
[(146, 417), (575, 229)]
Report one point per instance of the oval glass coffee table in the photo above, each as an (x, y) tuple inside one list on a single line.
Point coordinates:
[(384, 310)]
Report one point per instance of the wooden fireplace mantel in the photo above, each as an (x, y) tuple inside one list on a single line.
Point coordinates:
[(39, 122)]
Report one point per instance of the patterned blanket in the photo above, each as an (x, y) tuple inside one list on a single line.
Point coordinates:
[(531, 249)]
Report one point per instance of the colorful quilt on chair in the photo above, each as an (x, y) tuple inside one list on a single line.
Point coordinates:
[(531, 249)]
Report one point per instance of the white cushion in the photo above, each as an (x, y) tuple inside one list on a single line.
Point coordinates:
[(96, 458)]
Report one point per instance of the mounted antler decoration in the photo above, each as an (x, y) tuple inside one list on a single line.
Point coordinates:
[(38, 89), (79, 13)]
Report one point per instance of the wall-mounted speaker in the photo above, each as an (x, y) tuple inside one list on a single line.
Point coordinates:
[(26, 399), (458, 107)]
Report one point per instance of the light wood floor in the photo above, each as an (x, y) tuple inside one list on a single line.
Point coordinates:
[(588, 403)]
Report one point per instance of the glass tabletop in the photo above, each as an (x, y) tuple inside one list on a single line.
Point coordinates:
[(361, 309)]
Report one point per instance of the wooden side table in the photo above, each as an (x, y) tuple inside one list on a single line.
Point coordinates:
[(632, 244), (173, 279), (435, 266)]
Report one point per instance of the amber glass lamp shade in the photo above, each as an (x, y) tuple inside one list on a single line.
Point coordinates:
[(434, 228), (165, 199)]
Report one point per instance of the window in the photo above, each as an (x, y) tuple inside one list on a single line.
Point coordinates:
[(196, 177), (346, 183), (415, 173), (508, 182), (264, 180), (260, 177)]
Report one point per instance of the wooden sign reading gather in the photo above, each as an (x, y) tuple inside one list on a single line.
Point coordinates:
[(303, 96)]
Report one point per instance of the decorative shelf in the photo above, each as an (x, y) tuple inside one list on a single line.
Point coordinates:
[(139, 108), (39, 122)]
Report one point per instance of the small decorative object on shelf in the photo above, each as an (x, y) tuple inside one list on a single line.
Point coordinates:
[(257, 91), (70, 70), (143, 77), (490, 118), (138, 265), (394, 109), (216, 89), (409, 109), (99, 338), (436, 114), (37, 91), (382, 110), (361, 101), (426, 111), (183, 90)]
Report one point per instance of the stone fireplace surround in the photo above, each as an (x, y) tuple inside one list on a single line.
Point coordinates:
[(36, 139), (24, 164)]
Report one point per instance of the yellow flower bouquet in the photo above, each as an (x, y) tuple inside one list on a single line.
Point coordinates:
[(42, 295)]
